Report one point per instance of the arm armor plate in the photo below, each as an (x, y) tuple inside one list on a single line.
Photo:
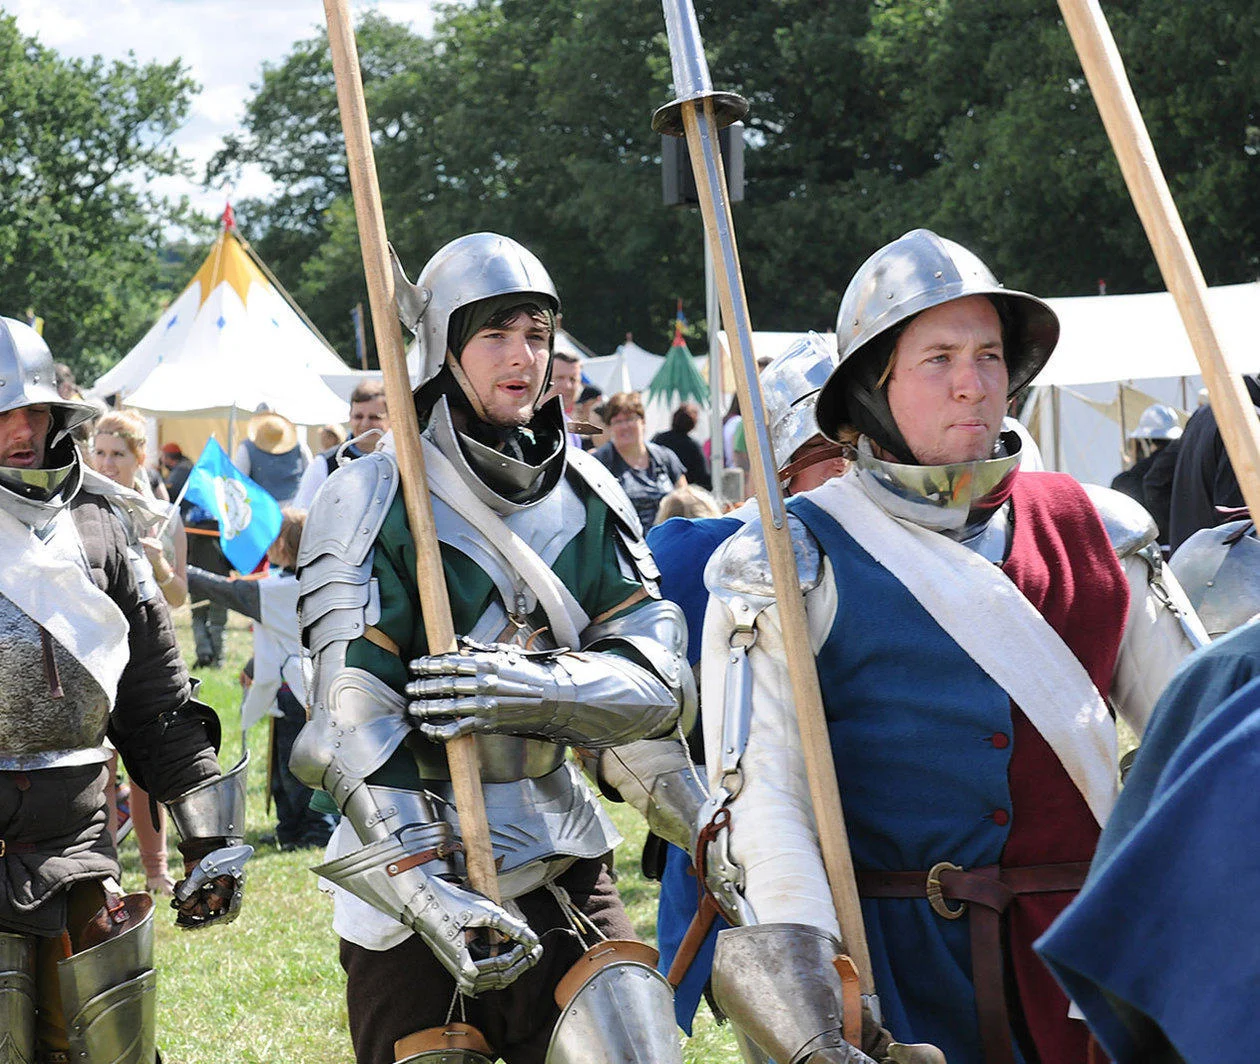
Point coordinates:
[(738, 575), (1132, 531), (655, 634)]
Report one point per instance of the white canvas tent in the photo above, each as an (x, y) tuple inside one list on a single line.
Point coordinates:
[(229, 342), (1116, 354), (628, 369)]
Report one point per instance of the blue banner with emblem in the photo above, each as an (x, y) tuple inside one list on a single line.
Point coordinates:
[(249, 518)]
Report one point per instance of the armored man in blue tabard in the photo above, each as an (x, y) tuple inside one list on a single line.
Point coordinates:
[(971, 624)]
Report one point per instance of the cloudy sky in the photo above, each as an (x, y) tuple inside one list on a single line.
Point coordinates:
[(224, 43)]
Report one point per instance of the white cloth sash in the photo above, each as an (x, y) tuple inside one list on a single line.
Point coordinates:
[(51, 585), (987, 616)]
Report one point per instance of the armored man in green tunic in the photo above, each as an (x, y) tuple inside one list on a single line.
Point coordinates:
[(564, 641)]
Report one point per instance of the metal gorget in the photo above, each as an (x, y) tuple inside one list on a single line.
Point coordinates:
[(36, 496), (502, 482), (956, 499)]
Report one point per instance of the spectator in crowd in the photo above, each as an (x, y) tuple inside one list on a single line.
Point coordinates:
[(1203, 479), (678, 439), (1156, 430), (272, 456), (690, 501), (566, 382), (157, 550), (175, 467), (589, 403), (369, 421), (331, 437), (67, 387), (646, 471), (278, 688)]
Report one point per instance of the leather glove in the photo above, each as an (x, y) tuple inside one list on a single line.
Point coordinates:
[(461, 927), (213, 883)]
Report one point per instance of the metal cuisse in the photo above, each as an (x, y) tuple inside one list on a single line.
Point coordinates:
[(472, 268), (738, 575), (778, 984), (915, 273), (17, 998), (615, 1007), (109, 994), (790, 387)]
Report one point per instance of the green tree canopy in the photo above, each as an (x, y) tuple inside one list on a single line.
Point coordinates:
[(531, 117), (81, 235)]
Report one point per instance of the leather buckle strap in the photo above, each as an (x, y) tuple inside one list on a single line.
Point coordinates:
[(990, 890), (707, 910), (438, 853)]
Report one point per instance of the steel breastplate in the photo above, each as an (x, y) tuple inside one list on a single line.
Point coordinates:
[(38, 729)]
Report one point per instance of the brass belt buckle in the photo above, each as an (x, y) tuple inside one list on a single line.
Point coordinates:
[(936, 895)]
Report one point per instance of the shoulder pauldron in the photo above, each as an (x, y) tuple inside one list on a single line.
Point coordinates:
[(741, 566), (1127, 524), (335, 556)]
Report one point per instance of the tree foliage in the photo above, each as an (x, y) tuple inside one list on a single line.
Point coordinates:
[(531, 117), (81, 237)]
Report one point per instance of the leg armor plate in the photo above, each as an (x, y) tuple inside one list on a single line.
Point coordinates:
[(456, 1043), (17, 999), (109, 993), (615, 1006), (778, 985)]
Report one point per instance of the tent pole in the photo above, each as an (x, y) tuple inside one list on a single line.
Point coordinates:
[(1058, 428), (1124, 451), (1185, 402), (231, 432), (713, 315)]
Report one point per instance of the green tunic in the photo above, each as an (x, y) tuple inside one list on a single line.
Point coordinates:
[(588, 566)]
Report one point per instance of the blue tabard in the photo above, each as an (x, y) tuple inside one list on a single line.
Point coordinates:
[(921, 738), (682, 547)]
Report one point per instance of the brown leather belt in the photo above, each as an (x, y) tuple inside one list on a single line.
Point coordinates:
[(990, 890)]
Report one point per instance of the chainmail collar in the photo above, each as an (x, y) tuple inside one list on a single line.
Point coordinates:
[(959, 499), (519, 474), (36, 496)]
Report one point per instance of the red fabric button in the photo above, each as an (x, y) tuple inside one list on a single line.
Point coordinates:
[(1000, 740), (1001, 817)]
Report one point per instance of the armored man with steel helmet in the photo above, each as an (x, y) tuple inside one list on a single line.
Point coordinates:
[(563, 641), (973, 627), (85, 653)]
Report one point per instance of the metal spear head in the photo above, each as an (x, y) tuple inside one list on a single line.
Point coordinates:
[(691, 74)]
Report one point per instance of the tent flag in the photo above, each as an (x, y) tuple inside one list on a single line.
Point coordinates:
[(249, 518), (678, 377)]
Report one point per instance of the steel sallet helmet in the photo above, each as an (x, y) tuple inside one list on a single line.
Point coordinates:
[(466, 270), (1158, 422), (912, 274), (27, 377), (790, 386)]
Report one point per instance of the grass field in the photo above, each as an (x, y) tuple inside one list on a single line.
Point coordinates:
[(268, 987)]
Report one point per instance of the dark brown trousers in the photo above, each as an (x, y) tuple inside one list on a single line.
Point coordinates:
[(396, 992)]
